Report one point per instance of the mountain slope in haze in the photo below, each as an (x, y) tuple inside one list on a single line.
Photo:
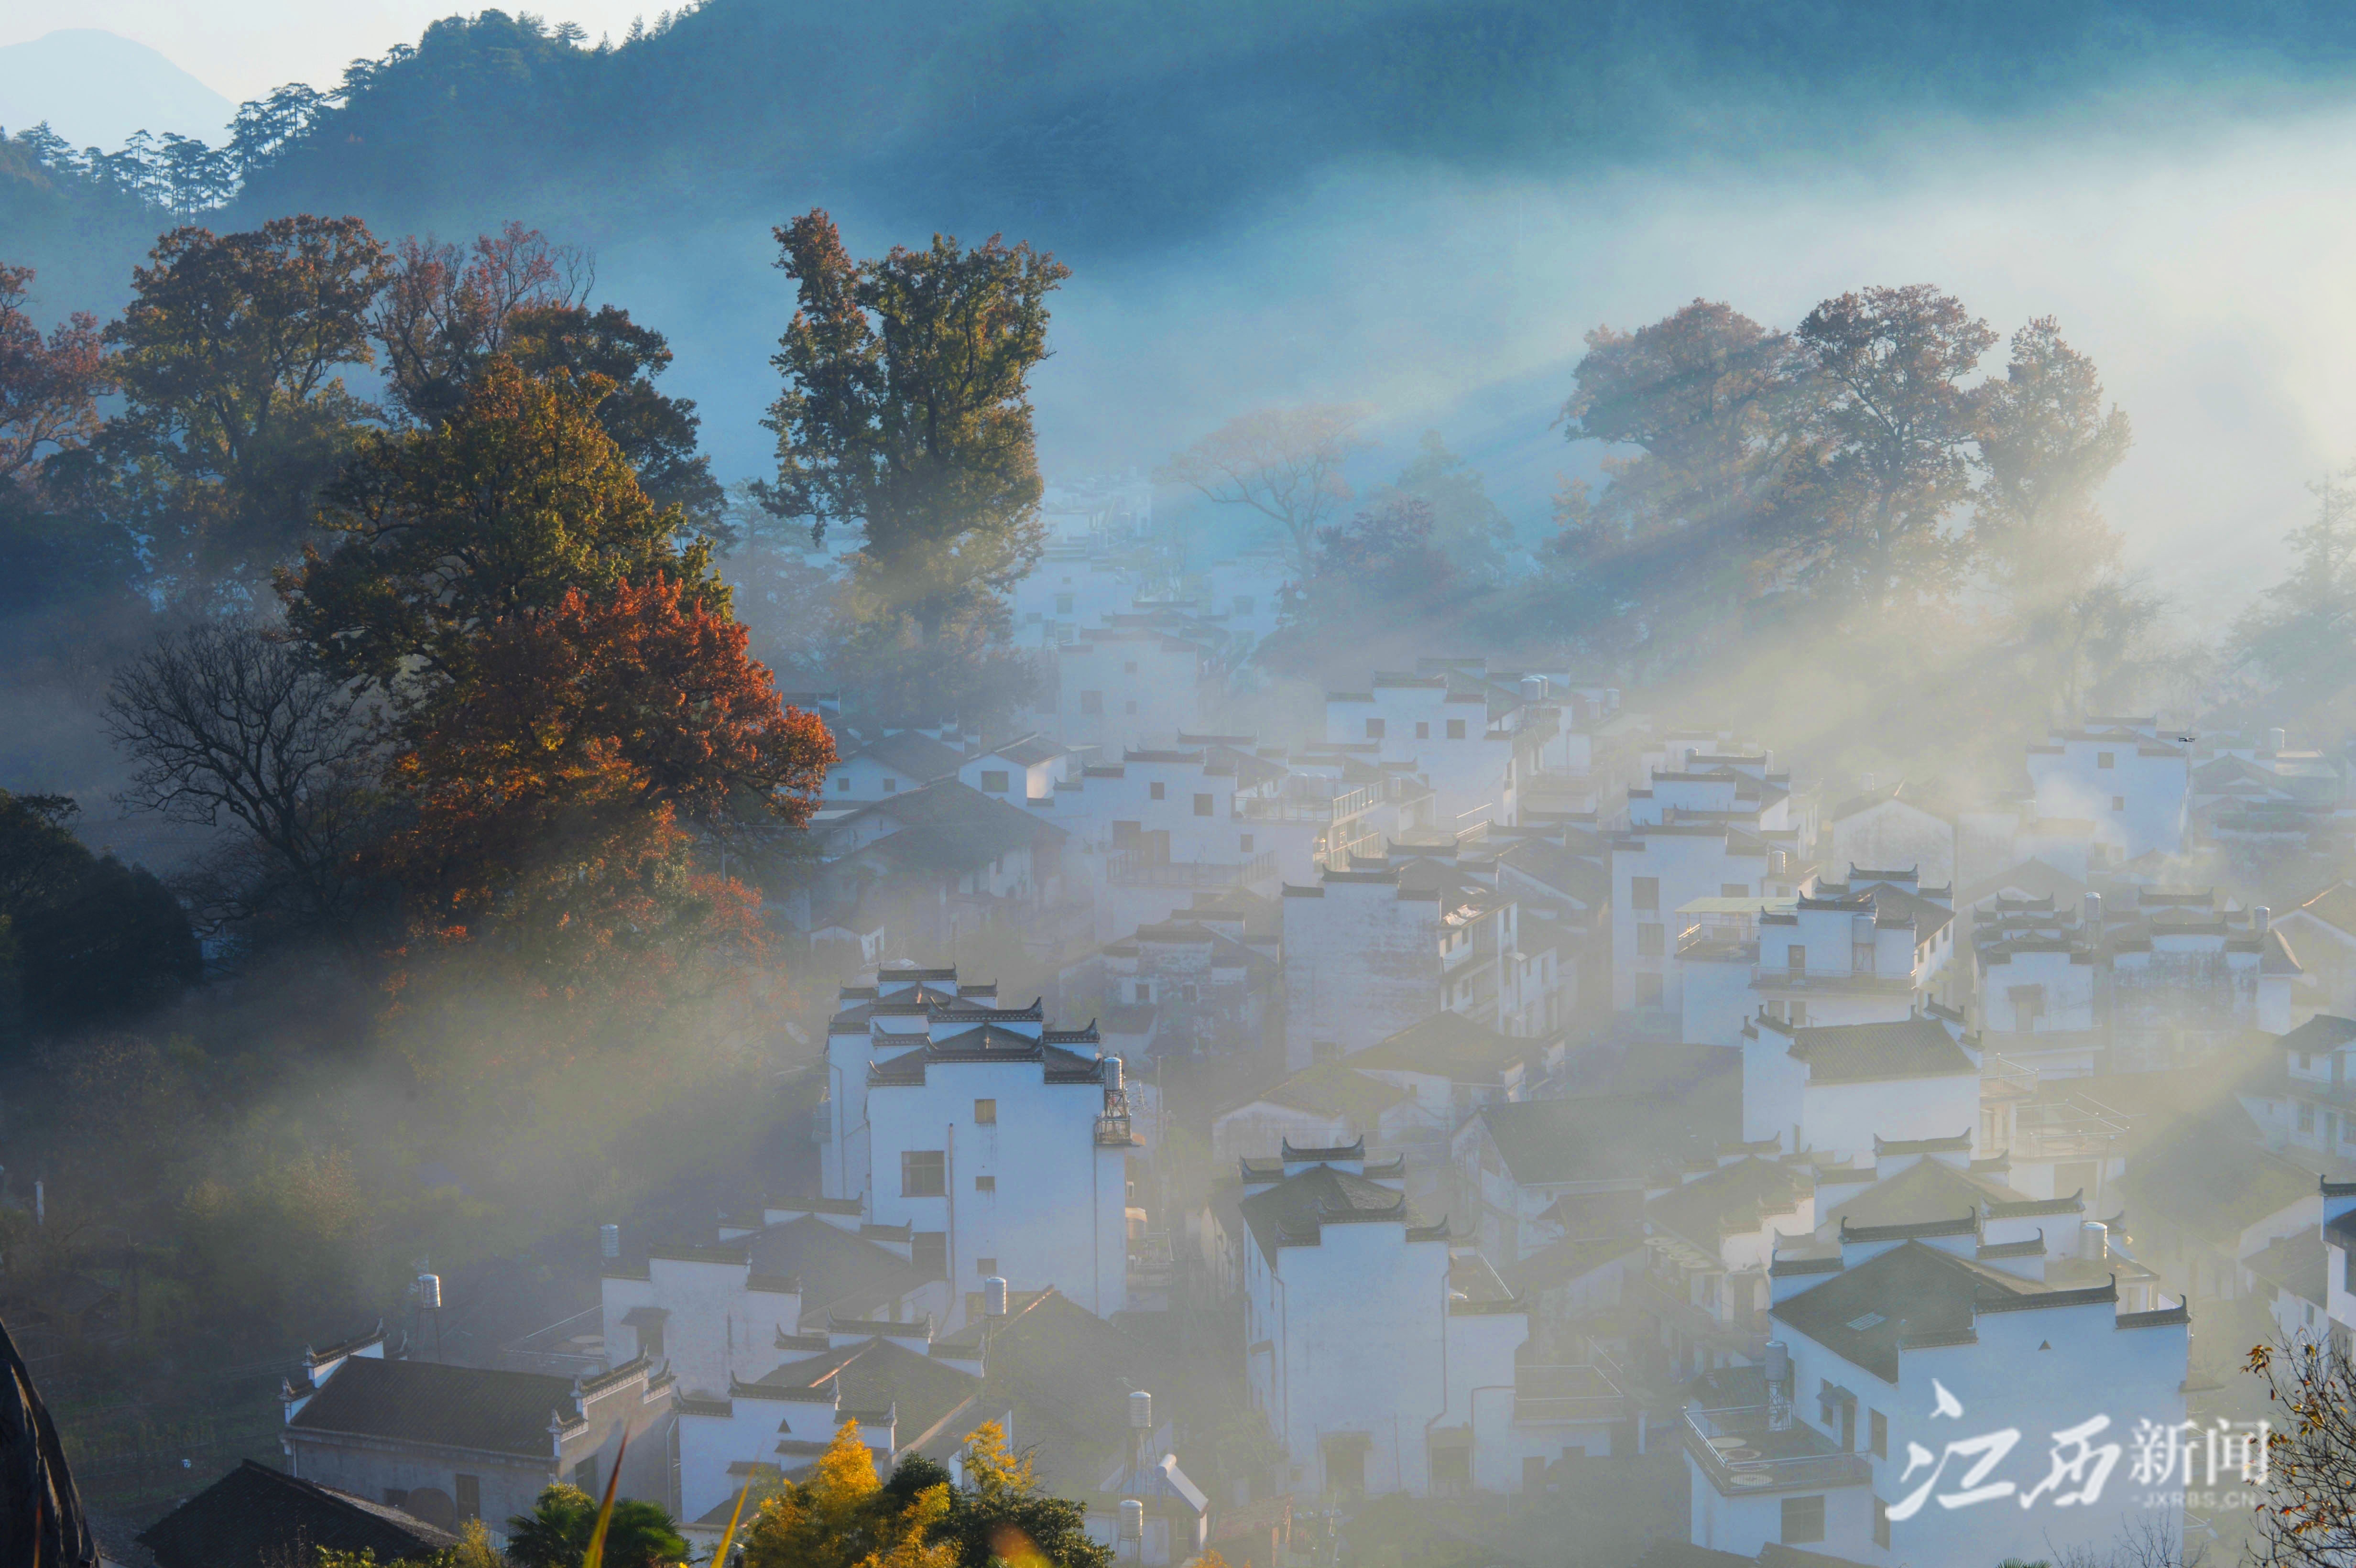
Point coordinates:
[(1115, 123), (95, 88)]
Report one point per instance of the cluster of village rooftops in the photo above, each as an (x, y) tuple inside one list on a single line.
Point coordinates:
[(1596, 1095)]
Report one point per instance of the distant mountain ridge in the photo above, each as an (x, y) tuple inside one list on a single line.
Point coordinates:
[(95, 88), (1119, 123)]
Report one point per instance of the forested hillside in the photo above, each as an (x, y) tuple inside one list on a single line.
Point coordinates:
[(1115, 123)]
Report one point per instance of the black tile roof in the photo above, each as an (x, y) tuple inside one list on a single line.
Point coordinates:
[(1733, 1199), (835, 1268), (876, 1375), (452, 1407), (255, 1516), (1916, 1291), (1290, 1211), (1910, 1048), (1615, 1138)]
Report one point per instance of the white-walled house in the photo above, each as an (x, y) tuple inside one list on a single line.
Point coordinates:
[(885, 767), (1025, 769), (1140, 680), (2037, 997), (2183, 978), (999, 1144), (1720, 834), (1385, 1360), (1809, 960), (1889, 826), (2134, 785), (1835, 1090), (1864, 1436)]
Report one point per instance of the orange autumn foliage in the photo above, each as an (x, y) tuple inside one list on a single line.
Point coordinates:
[(554, 788)]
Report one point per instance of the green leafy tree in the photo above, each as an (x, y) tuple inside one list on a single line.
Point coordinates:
[(504, 508), (1703, 408), (555, 1534), (1891, 447), (906, 414), (1467, 527), (91, 938), (2299, 639), (231, 359), (447, 312), (1003, 1515)]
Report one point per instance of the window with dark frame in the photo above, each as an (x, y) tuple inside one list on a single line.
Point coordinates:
[(1202, 805), (923, 1173), (470, 1494), (1644, 892), (1456, 728), (1803, 1520), (985, 1113)]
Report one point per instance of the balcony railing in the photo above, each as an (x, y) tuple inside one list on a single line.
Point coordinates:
[(1132, 868), (1742, 1450), (1545, 1395)]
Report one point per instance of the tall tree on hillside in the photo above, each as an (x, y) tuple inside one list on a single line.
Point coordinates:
[(2299, 638), (446, 311), (228, 725), (2046, 443), (1282, 462), (565, 691), (1890, 457), (49, 387), (1682, 533), (906, 413), (1468, 528), (231, 359)]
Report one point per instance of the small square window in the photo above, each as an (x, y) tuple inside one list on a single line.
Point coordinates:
[(985, 1266), (993, 783), (2118, 803), (1803, 1520), (891, 786), (1155, 791), (1202, 805), (470, 1493), (1128, 668), (1374, 729), (923, 1173), (985, 1184), (843, 784), (1092, 702), (1456, 728), (1644, 892), (2103, 759), (1246, 845), (985, 1113), (1063, 603), (1424, 731)]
